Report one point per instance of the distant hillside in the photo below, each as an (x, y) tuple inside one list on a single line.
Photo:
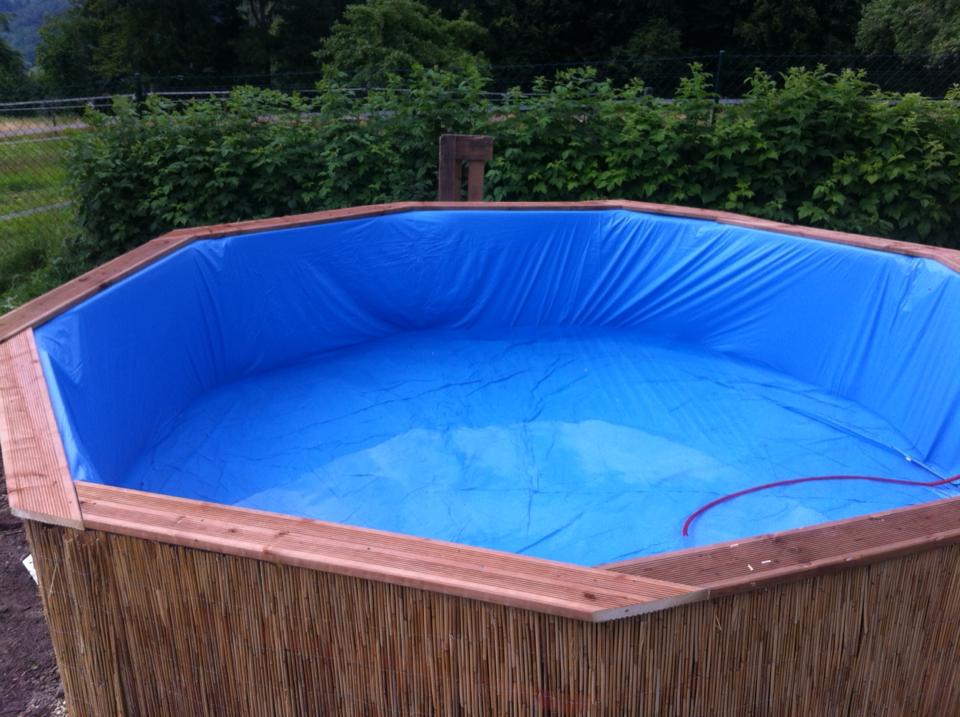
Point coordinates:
[(25, 17)]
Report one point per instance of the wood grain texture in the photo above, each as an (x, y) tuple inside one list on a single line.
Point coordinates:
[(518, 581), (63, 297), (449, 168), (751, 562), (474, 147), (39, 486), (142, 627), (455, 149), (67, 295), (475, 171), (521, 582)]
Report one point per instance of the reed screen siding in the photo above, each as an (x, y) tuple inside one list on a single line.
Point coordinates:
[(855, 617), (146, 628)]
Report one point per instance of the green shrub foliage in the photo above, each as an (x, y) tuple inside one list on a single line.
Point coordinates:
[(809, 147), (813, 148), (261, 154)]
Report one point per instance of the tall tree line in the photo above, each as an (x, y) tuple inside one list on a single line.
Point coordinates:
[(96, 40), (102, 40), (12, 70)]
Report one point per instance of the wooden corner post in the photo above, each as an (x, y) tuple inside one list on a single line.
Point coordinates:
[(476, 151)]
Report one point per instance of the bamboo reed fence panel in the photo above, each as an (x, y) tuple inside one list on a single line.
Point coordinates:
[(146, 628), (516, 580), (266, 620)]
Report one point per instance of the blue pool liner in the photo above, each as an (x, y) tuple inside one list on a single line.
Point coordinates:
[(566, 384)]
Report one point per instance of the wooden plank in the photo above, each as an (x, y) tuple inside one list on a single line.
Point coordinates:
[(591, 594), (63, 297), (475, 181), (455, 149), (474, 147), (92, 282), (448, 169), (39, 486), (67, 295), (948, 257), (804, 552)]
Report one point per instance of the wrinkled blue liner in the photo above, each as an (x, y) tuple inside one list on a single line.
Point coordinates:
[(566, 384)]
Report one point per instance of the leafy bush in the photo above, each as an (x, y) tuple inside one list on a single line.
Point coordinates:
[(816, 148), (260, 154)]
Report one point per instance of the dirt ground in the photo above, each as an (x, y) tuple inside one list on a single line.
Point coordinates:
[(29, 683)]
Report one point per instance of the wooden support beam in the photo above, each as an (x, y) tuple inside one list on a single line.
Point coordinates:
[(58, 300), (455, 149)]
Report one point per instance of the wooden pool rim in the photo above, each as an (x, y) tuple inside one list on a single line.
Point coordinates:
[(40, 487)]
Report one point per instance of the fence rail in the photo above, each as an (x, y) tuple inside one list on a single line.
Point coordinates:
[(928, 75), (35, 203)]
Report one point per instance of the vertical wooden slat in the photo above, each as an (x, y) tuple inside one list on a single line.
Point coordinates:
[(475, 171), (448, 172)]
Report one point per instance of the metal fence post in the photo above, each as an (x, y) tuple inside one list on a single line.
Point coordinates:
[(719, 74), (138, 96)]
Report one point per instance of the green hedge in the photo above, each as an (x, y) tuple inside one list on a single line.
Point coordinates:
[(815, 149), (811, 147)]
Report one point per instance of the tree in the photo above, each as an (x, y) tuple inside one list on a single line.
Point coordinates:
[(380, 37), (303, 24), (102, 40), (65, 50), (282, 35), (163, 37), (25, 18), (551, 31), (910, 27), (13, 74), (554, 31), (657, 37), (779, 26)]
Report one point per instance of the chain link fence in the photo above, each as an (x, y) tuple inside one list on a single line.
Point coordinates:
[(35, 207), (35, 132)]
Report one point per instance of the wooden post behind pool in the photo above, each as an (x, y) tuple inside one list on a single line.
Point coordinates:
[(455, 149)]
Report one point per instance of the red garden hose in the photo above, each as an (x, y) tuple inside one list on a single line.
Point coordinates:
[(792, 481)]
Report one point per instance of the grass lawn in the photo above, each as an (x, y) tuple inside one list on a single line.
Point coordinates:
[(31, 248), (35, 216), (32, 173)]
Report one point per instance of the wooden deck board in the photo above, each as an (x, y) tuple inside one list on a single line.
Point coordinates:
[(590, 594), (803, 552), (38, 479)]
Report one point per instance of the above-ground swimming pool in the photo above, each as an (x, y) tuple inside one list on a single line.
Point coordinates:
[(566, 385), (460, 407)]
